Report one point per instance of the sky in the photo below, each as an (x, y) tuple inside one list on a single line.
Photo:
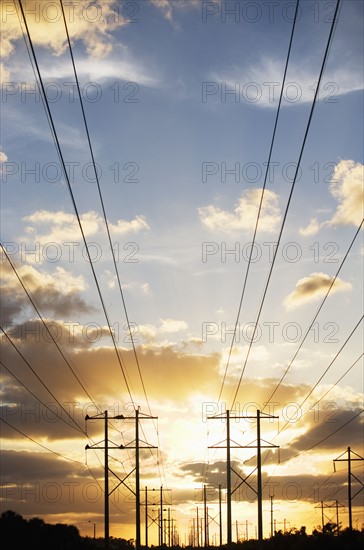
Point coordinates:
[(180, 99)]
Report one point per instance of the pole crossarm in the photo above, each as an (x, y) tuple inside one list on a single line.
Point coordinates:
[(228, 446), (349, 460)]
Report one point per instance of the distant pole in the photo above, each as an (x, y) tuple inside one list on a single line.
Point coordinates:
[(198, 529), (337, 516), (228, 478), (94, 524), (205, 512), (322, 516), (137, 481), (146, 517), (220, 516), (161, 515), (260, 496), (106, 505), (237, 531), (349, 490), (271, 515)]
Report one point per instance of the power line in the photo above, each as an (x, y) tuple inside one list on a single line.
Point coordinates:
[(35, 396), (105, 216), (59, 151), (316, 314), (46, 327), (290, 195), (40, 380), (261, 201), (326, 370), (40, 444)]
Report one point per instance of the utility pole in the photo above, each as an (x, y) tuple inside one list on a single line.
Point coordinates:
[(104, 416), (220, 515), (271, 516), (349, 460), (259, 492), (146, 517), (137, 447)]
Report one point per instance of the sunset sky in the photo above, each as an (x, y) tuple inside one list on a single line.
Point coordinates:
[(180, 98)]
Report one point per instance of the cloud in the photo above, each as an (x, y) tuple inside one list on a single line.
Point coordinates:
[(96, 69), (168, 7), (92, 24), (244, 215), (346, 186), (3, 157), (63, 227), (259, 84), (171, 326), (57, 293), (319, 431), (313, 287), (312, 229)]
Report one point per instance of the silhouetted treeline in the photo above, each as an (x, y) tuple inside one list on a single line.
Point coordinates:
[(34, 534), (299, 540)]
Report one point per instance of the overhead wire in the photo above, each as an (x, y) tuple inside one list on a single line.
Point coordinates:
[(316, 315), (40, 444), (77, 427), (35, 396), (261, 200), (331, 33), (69, 187), (107, 226), (325, 371), (47, 328)]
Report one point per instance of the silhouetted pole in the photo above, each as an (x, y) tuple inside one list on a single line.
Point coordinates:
[(106, 481), (228, 479), (259, 480), (161, 516), (146, 517), (271, 515), (349, 490), (94, 524), (349, 460), (205, 512), (220, 515)]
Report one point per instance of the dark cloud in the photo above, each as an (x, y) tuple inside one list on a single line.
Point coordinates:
[(57, 294), (350, 435)]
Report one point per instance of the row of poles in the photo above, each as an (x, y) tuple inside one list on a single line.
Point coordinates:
[(166, 526)]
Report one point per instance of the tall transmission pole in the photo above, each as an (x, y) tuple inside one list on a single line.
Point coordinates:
[(349, 460), (259, 492), (104, 416), (137, 446)]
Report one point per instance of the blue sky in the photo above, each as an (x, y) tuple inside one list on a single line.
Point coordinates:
[(165, 132)]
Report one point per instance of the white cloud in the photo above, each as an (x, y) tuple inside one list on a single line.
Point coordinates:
[(260, 84), (92, 25), (168, 7), (94, 70), (311, 229), (63, 227), (346, 186), (3, 158), (313, 287), (171, 325), (244, 215)]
